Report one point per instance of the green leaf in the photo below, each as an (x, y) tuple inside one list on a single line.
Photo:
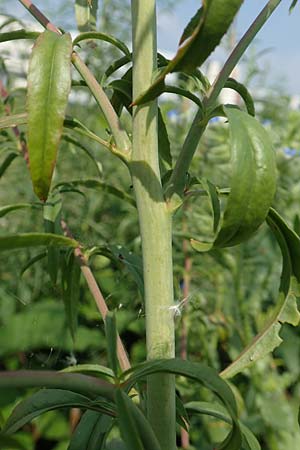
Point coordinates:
[(91, 431), (14, 241), (111, 339), (78, 144), (91, 183), (205, 375), (231, 83), (86, 14), (294, 3), (253, 181), (212, 409), (71, 290), (32, 261), (182, 417), (48, 400), (18, 34), (49, 83), (52, 212), (135, 429), (91, 369), (13, 120), (286, 310), (102, 37), (9, 208), (7, 162), (201, 36)]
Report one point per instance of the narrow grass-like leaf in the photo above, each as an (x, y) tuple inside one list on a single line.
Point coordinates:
[(71, 290), (135, 429), (78, 144), (13, 120), (52, 210), (18, 34), (286, 306), (25, 240), (47, 400), (93, 35), (253, 181), (91, 431), (86, 14), (111, 339), (32, 261), (7, 162), (294, 3), (231, 83), (9, 208), (201, 36), (98, 185), (205, 375), (49, 83), (212, 409), (91, 369)]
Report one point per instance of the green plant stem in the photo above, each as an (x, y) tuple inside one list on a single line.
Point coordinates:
[(155, 227), (120, 136), (83, 384), (178, 178)]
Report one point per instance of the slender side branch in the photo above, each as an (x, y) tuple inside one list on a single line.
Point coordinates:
[(98, 297), (119, 134), (177, 180)]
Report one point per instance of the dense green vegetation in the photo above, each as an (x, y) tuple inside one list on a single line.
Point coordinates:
[(49, 319)]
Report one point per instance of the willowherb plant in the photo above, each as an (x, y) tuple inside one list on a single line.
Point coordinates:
[(160, 189)]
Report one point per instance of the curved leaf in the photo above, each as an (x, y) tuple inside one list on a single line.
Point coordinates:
[(99, 185), (18, 34), (32, 261), (231, 83), (253, 181), (9, 208), (201, 36), (135, 429), (14, 241), (249, 440), (48, 400), (7, 162), (91, 431), (205, 375), (91, 369), (286, 306), (49, 83), (102, 37)]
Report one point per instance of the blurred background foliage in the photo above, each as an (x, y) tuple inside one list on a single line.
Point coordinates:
[(223, 297)]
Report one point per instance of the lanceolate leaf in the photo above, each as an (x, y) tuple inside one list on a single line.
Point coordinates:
[(86, 14), (18, 34), (91, 369), (7, 162), (205, 375), (14, 241), (49, 83), (135, 429), (199, 39), (253, 181), (47, 400), (32, 261), (71, 290), (9, 208), (111, 338), (51, 212), (91, 431), (286, 306), (249, 440)]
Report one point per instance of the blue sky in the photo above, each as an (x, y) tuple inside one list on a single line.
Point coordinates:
[(281, 34)]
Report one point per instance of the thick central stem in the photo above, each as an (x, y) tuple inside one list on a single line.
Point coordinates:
[(155, 227)]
